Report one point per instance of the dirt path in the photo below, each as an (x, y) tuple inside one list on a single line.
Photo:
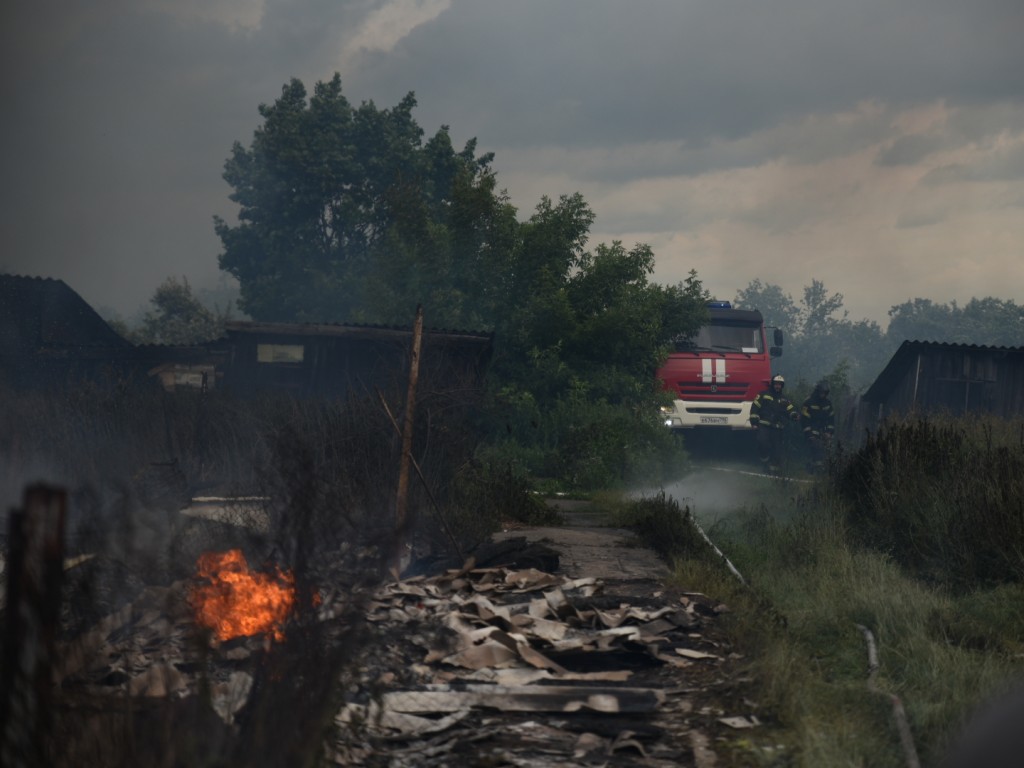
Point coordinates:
[(588, 549)]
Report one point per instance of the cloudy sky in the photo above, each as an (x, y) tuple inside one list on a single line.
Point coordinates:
[(876, 145)]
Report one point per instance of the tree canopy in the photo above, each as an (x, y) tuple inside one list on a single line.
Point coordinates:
[(345, 213), (987, 321), (178, 317), (820, 338)]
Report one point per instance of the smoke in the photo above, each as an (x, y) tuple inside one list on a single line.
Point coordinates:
[(714, 493), (715, 490)]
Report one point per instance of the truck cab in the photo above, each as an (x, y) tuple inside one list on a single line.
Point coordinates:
[(715, 374)]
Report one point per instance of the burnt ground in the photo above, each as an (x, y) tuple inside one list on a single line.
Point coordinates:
[(652, 679)]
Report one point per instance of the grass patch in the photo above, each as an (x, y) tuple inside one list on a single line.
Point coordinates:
[(882, 543), (942, 653)]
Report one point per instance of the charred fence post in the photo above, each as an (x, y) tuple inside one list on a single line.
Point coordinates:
[(402, 524), (35, 567)]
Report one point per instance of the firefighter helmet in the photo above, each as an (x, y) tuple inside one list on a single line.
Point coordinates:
[(822, 387), (778, 379)]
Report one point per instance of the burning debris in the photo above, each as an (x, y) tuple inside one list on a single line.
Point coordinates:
[(234, 601)]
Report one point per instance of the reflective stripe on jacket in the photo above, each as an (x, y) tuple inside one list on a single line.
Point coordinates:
[(817, 416), (771, 410)]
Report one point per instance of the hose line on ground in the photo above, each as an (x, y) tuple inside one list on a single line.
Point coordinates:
[(898, 713), (719, 552)]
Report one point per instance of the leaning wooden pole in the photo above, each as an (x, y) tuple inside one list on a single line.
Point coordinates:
[(402, 521)]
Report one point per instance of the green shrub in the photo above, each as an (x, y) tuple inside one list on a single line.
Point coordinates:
[(664, 526), (586, 445), (944, 497)]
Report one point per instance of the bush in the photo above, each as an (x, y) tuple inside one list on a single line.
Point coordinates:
[(586, 445), (664, 526), (945, 497)]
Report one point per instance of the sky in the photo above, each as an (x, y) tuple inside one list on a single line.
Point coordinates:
[(876, 146)]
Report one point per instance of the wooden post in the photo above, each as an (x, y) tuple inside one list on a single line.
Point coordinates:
[(402, 523), (34, 572)]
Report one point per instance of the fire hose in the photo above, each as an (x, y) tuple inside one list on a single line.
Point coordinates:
[(899, 714)]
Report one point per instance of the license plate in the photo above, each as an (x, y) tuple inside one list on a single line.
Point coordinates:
[(714, 420)]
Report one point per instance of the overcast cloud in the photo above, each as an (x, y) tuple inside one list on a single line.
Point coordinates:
[(876, 145)]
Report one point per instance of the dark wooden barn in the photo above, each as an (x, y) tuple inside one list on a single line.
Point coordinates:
[(331, 360), (50, 337), (931, 377)]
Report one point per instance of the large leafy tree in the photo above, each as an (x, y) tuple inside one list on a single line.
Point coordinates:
[(341, 207)]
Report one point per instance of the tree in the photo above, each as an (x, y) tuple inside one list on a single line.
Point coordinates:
[(988, 321), (777, 307), (921, 320), (178, 317), (821, 340), (335, 200), (577, 346)]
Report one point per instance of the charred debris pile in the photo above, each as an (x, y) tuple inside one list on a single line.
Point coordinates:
[(151, 485)]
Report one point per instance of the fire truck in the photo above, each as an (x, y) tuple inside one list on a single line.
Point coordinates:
[(715, 374)]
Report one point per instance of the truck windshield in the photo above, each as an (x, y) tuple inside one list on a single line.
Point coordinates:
[(723, 338)]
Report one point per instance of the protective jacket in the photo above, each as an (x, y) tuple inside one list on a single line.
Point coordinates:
[(818, 417), (771, 409)]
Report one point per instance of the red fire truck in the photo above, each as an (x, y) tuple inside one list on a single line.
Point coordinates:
[(715, 374)]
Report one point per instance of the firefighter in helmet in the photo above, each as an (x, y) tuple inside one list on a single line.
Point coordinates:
[(768, 416), (818, 419)]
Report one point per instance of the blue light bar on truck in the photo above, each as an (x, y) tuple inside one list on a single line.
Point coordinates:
[(719, 305)]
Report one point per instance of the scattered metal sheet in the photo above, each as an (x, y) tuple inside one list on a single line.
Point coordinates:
[(406, 725), (739, 722), (525, 698), (703, 755), (690, 653)]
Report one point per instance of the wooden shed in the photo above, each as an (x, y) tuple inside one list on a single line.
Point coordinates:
[(337, 359), (930, 377)]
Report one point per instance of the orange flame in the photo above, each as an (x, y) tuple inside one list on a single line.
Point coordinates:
[(237, 602)]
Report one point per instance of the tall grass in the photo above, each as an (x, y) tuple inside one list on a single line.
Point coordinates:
[(944, 496), (942, 653), (916, 536)]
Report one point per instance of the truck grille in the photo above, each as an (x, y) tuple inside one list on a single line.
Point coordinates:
[(700, 390)]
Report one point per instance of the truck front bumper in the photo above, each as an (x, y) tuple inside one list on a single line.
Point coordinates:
[(687, 414)]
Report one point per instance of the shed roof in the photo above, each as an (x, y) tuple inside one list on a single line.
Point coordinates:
[(44, 313), (904, 357), (355, 331)]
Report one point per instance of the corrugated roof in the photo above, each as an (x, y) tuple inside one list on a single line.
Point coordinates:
[(349, 329), (38, 312), (907, 353)]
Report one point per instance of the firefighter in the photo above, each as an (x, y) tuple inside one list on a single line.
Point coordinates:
[(819, 422), (768, 416)]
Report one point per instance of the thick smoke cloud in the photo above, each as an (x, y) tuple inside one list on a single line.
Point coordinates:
[(788, 140)]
